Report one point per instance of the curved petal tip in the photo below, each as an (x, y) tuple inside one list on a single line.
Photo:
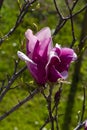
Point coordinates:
[(22, 56)]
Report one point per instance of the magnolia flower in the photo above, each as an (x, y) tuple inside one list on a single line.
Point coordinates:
[(85, 127), (45, 62)]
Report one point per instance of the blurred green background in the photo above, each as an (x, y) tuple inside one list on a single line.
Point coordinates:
[(33, 114)]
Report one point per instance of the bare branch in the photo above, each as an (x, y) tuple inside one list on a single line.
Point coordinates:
[(59, 26), (64, 20), (81, 122), (75, 3), (79, 126), (83, 106), (16, 65), (23, 12), (57, 9), (49, 101), (1, 3), (11, 81), (28, 98), (84, 39), (72, 25), (78, 12)]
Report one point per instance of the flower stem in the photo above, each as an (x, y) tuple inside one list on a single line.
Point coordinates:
[(50, 107)]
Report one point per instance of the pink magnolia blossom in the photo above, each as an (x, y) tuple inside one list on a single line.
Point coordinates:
[(45, 62), (85, 127)]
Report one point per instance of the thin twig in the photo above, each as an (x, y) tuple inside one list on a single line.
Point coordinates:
[(48, 120), (45, 123), (81, 122), (48, 99), (16, 66), (72, 25), (56, 117), (78, 12), (57, 100), (75, 3), (2, 85), (84, 39), (28, 98), (65, 19), (57, 9), (11, 81), (50, 107), (59, 26), (1, 3), (83, 105), (79, 126), (23, 11)]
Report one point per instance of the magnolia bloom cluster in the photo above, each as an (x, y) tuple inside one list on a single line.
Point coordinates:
[(45, 62)]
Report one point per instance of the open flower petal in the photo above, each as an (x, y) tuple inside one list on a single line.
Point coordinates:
[(22, 56), (44, 33), (45, 62), (53, 74), (31, 42), (85, 127), (44, 48), (66, 57), (64, 74), (68, 54)]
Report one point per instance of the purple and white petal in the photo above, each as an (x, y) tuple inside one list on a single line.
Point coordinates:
[(44, 33), (53, 74), (31, 42), (64, 74), (22, 56)]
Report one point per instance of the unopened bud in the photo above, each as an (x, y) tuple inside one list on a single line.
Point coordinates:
[(57, 95)]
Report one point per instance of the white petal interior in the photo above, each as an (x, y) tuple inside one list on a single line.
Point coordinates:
[(57, 45), (64, 74), (74, 56), (22, 56)]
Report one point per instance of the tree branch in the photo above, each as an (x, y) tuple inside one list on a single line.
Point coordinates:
[(28, 98), (79, 126), (23, 11), (57, 9), (83, 105), (49, 101), (65, 19), (75, 3), (1, 3), (11, 81), (72, 25)]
